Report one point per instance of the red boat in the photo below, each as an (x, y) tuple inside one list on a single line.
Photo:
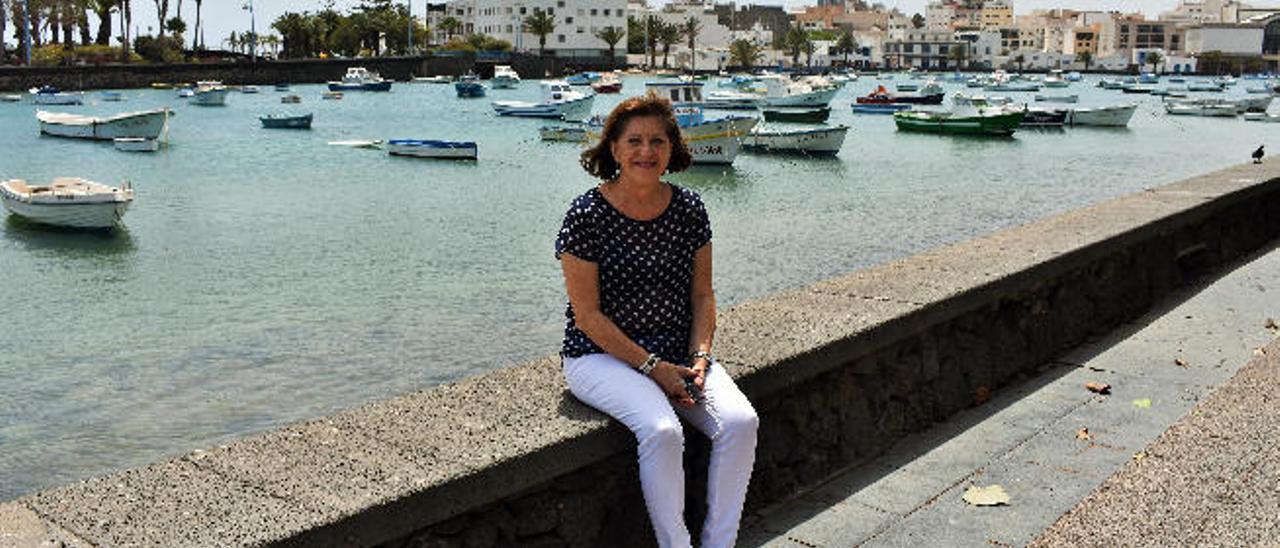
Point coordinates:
[(932, 94), (880, 96), (607, 84)]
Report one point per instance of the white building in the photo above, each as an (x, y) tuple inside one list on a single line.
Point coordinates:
[(1226, 38), (576, 23), (713, 39), (1202, 11)]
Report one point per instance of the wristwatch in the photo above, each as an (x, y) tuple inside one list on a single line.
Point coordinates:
[(704, 355), (648, 365)]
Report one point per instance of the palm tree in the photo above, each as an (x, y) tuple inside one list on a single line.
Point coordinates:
[(540, 24), (611, 36), (1155, 59), (1020, 60), (449, 25), (846, 45), (232, 42), (197, 41), (1086, 58), (959, 53), (102, 8), (690, 29), (162, 13), (745, 52), (126, 21), (668, 34), (794, 42), (652, 26)]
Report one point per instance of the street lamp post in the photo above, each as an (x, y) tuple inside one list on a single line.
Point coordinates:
[(410, 27), (253, 33)]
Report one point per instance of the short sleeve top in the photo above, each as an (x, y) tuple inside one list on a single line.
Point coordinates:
[(645, 270)]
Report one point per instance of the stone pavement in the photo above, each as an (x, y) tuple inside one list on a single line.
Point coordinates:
[(1184, 450)]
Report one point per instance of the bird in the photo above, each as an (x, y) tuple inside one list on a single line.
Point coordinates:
[(1257, 155)]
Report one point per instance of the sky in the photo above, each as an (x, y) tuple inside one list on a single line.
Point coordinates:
[(221, 17)]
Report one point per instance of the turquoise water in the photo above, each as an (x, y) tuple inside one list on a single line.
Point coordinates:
[(264, 277)]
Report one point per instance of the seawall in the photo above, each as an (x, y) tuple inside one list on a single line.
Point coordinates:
[(838, 370)]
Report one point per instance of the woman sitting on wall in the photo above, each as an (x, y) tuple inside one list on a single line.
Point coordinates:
[(636, 255)]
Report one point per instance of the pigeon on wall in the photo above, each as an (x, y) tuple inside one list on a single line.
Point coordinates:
[(1257, 155)]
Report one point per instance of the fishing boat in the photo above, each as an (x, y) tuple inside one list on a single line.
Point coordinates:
[(250, 89), (49, 95), (1205, 86), (781, 92), (147, 124), (879, 101), (282, 87), (360, 79), (1261, 117), (824, 140), (10, 98), (291, 99), (68, 202), (1226, 110), (1055, 80), (608, 83), (210, 94), (572, 134), (973, 118), (111, 96), (1109, 116), (136, 144), (425, 148), (797, 115), (504, 77), (582, 78), (558, 101), (186, 93), (286, 122), (438, 79), (710, 141), (732, 100), (931, 93), (331, 95), (1045, 117), (469, 86)]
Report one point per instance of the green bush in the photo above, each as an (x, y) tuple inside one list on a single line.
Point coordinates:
[(163, 49), (51, 55)]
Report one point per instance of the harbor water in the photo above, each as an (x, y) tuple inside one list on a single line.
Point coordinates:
[(263, 276)]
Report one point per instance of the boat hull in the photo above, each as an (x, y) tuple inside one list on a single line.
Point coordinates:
[(1102, 117), (879, 108), (817, 98), (101, 213), (449, 150), (801, 116), (717, 141), (57, 99), (469, 89), (147, 125), (286, 122), (136, 144), (1004, 123), (367, 86), (210, 98), (808, 141), (575, 110)]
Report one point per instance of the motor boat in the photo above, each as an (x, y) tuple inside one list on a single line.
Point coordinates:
[(146, 124), (67, 202), (504, 77), (425, 148), (559, 100), (360, 79)]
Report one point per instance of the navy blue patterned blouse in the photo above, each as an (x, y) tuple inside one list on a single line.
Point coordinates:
[(645, 269)]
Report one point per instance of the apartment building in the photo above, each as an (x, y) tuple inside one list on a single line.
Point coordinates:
[(968, 14), (995, 14), (1134, 32), (576, 23), (1228, 38), (1195, 12), (921, 48)]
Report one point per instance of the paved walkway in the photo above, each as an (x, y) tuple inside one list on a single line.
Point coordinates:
[(1184, 451)]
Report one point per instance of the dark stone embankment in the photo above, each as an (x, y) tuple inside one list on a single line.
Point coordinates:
[(839, 371)]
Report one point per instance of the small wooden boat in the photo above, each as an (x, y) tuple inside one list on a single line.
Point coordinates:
[(424, 148), (286, 122), (291, 99), (136, 144), (210, 94), (1057, 98), (879, 101), (10, 98), (469, 86), (1261, 117), (438, 79), (558, 101), (1109, 116), (111, 96), (146, 124), (331, 95), (504, 77), (972, 118), (282, 87), (825, 140), (250, 89), (49, 95), (608, 83), (797, 115), (358, 143), (1226, 110), (1045, 117), (360, 79), (69, 201)]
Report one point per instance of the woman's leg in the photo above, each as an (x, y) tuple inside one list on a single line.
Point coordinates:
[(606, 383), (730, 421)]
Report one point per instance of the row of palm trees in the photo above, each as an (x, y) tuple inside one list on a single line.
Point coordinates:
[(62, 20)]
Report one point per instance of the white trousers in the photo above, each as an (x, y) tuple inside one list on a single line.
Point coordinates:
[(606, 383)]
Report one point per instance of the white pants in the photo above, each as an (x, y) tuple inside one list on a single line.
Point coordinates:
[(606, 383)]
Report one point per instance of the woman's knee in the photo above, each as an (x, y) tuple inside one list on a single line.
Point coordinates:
[(740, 422), (662, 432)]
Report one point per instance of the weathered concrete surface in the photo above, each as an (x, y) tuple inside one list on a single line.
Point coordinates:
[(839, 371), (1209, 479)]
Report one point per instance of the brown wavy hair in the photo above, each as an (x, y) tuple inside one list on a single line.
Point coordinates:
[(599, 161)]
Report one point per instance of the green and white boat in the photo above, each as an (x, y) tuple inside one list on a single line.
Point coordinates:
[(974, 117)]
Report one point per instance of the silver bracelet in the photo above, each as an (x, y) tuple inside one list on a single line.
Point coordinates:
[(648, 365), (701, 354)]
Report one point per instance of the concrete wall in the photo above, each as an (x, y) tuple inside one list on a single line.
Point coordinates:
[(264, 73), (838, 370)]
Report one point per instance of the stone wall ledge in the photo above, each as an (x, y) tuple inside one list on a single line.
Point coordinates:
[(403, 471)]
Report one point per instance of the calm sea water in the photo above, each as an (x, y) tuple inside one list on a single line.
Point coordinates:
[(264, 277)]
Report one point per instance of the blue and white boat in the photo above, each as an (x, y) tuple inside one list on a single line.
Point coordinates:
[(558, 101), (275, 121), (111, 96), (426, 148), (360, 79), (49, 95), (582, 78), (504, 77), (469, 86), (715, 141)]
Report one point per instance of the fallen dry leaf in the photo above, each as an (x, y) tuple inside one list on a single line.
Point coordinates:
[(1180, 362), (1099, 387), (981, 394), (991, 495), (1083, 434), (1142, 403)]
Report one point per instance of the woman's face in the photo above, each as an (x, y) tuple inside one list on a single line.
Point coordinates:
[(642, 150)]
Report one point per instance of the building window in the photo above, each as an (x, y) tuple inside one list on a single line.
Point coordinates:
[(560, 3), (606, 12), (509, 29), (593, 12), (568, 20), (560, 38), (579, 11)]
